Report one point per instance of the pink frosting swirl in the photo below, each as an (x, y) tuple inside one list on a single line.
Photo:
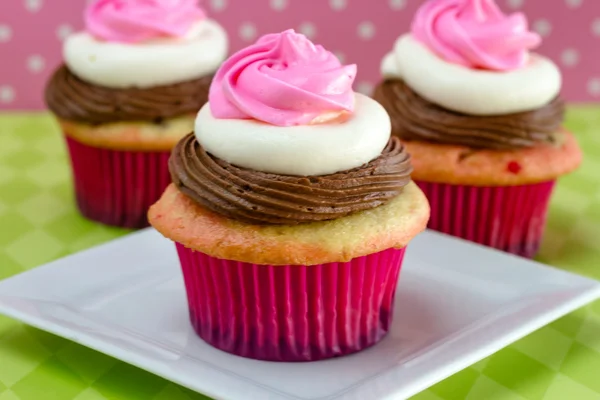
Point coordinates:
[(132, 21), (475, 34), (283, 79)]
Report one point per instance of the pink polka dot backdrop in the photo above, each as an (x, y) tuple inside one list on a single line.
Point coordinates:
[(358, 31)]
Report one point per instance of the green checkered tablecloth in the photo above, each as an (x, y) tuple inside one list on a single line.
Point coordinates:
[(39, 223)]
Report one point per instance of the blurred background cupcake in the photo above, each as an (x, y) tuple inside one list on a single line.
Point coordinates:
[(128, 90), (291, 207), (482, 119)]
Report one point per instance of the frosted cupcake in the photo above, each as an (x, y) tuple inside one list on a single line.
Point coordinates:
[(482, 119), (291, 207), (129, 89)]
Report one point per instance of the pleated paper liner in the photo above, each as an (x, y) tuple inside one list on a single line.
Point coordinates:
[(291, 312), (508, 218), (117, 187)]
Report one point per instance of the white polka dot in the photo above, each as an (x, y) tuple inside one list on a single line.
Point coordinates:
[(279, 5), (218, 5), (366, 30), (573, 3), (397, 4), (515, 4), (570, 57), (7, 94), (338, 4), (308, 29), (340, 56), (33, 5), (247, 31), (596, 27), (593, 87), (63, 31), (35, 63), (543, 27), (365, 88), (5, 33)]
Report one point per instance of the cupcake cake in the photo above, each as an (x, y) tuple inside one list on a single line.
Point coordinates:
[(291, 207), (128, 90), (481, 116)]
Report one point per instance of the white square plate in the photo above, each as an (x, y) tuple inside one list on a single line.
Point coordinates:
[(457, 303)]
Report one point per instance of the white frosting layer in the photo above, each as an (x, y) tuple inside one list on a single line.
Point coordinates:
[(153, 63), (304, 150), (472, 91)]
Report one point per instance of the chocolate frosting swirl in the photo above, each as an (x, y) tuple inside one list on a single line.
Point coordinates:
[(74, 99), (263, 198), (415, 118)]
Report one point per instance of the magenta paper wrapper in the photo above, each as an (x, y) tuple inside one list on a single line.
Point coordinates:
[(291, 312), (508, 218), (117, 187)]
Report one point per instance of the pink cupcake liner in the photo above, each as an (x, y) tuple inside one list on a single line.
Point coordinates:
[(291, 312), (508, 218), (117, 187)]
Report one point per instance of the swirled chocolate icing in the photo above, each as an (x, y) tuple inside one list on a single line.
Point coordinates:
[(415, 118), (74, 99), (263, 198)]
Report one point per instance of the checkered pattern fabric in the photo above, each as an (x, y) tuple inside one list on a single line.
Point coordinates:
[(39, 223)]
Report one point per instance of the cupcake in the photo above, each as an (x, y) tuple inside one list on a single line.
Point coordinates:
[(291, 207), (481, 117), (128, 90)]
